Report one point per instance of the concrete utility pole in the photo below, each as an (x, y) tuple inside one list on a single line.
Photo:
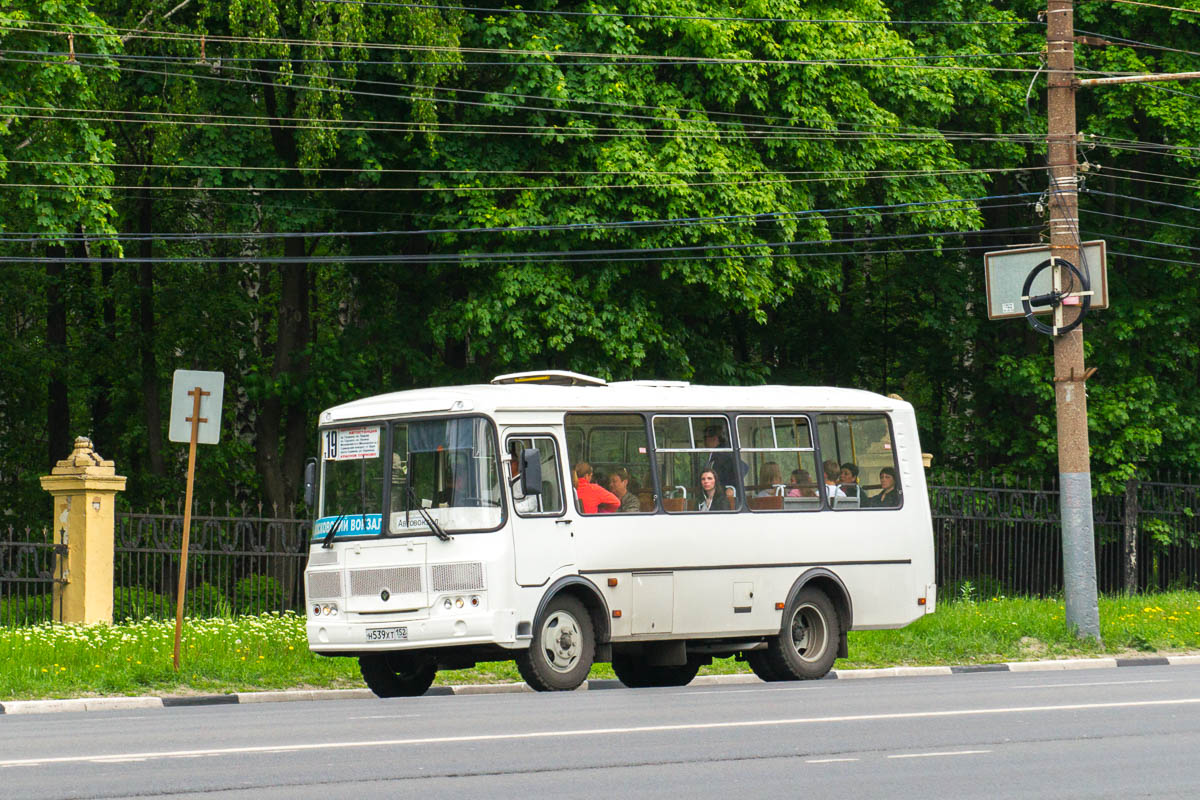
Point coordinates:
[(1074, 467)]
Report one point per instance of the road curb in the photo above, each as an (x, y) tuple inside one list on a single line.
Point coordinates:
[(14, 707)]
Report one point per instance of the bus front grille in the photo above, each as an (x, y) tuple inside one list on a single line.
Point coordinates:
[(465, 576), (397, 580), (325, 584)]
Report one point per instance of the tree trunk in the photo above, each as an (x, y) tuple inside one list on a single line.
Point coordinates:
[(149, 361), (281, 424), (58, 410), (102, 386)]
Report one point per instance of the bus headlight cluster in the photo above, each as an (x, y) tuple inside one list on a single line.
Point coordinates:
[(460, 602), (324, 609)]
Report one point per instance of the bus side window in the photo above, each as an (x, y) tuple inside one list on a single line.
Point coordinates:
[(550, 499), (861, 451), (783, 463), (617, 449)]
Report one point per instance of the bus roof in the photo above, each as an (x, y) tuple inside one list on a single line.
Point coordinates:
[(658, 396)]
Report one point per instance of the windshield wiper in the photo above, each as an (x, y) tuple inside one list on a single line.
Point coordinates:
[(327, 542), (425, 515)]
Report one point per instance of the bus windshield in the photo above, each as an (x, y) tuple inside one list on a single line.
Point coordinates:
[(448, 467)]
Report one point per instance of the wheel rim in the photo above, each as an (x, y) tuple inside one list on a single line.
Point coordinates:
[(809, 632), (562, 641)]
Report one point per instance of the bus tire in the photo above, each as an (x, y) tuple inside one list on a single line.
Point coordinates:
[(563, 647), (397, 673), (806, 645), (761, 666), (637, 674)]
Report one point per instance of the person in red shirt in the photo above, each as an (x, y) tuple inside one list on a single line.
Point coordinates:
[(594, 499)]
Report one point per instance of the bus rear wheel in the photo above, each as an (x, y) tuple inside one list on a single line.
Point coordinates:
[(761, 666), (806, 646), (637, 674), (397, 673), (563, 647)]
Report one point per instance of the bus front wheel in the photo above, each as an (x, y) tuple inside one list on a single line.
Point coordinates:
[(397, 673), (806, 646), (563, 647)]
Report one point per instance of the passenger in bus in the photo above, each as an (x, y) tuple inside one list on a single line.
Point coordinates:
[(848, 479), (593, 499), (711, 499), (832, 472), (889, 495), (770, 476), (618, 484), (728, 470), (801, 484)]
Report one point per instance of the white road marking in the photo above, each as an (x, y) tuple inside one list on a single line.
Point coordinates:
[(1097, 683), (740, 691), (388, 716), (947, 753), (828, 760), (563, 734)]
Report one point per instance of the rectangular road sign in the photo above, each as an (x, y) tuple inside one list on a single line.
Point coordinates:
[(183, 403), (1005, 272)]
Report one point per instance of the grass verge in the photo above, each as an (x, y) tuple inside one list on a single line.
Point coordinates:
[(270, 651)]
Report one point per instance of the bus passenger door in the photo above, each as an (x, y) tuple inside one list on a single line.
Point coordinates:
[(542, 538)]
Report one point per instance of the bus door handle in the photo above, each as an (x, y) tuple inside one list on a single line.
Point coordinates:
[(562, 522)]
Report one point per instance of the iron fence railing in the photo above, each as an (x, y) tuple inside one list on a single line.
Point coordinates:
[(239, 562), (1007, 540), (28, 571), (988, 541)]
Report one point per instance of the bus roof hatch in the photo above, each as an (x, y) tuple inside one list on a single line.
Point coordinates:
[(550, 377)]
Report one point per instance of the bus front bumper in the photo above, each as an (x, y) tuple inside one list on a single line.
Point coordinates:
[(354, 634)]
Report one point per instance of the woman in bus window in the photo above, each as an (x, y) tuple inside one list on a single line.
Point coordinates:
[(848, 479), (710, 498), (801, 484), (889, 495), (769, 477)]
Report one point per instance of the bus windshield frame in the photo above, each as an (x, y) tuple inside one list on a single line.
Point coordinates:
[(447, 466)]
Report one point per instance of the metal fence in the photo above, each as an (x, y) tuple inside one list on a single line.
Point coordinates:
[(239, 562), (28, 571), (988, 541), (1006, 540)]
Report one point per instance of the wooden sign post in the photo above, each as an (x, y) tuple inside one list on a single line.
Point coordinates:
[(196, 419)]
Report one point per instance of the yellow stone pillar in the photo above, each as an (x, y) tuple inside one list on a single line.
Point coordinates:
[(84, 487)]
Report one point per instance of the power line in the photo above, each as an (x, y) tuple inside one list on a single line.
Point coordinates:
[(1135, 43), (832, 176), (1142, 200), (1154, 258), (414, 98), (215, 61), (643, 58), (537, 256), (590, 14), (773, 216), (1144, 241), (1128, 218), (1156, 5)]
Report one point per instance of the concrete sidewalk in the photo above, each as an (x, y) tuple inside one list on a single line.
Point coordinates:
[(123, 703)]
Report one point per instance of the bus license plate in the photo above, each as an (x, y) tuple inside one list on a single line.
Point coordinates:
[(386, 634)]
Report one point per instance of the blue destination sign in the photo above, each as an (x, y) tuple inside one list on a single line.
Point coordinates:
[(352, 524)]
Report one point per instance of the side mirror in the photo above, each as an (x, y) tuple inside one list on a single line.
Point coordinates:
[(310, 482), (531, 472)]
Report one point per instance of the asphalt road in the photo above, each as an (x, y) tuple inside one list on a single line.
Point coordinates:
[(1078, 734)]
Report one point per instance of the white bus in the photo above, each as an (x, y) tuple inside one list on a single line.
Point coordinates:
[(558, 520)]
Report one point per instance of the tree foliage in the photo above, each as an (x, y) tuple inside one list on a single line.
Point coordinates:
[(724, 192)]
